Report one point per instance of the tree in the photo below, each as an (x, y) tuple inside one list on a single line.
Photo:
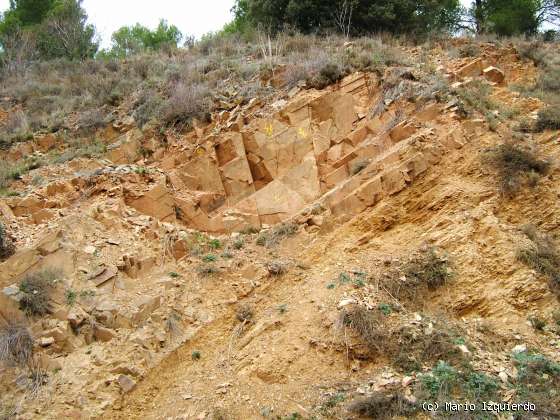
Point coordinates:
[(513, 17), (55, 28), (548, 11), (30, 12), (352, 17), (65, 33), (134, 39)]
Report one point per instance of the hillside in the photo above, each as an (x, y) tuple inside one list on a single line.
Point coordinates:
[(340, 229)]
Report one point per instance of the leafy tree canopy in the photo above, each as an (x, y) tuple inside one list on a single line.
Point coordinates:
[(133, 39)]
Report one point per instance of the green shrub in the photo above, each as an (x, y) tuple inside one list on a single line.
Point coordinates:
[(209, 258), (441, 382)]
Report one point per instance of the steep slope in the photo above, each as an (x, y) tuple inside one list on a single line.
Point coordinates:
[(213, 277)]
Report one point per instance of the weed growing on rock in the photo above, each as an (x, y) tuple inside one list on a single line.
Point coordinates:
[(369, 326), (70, 296), (425, 271)]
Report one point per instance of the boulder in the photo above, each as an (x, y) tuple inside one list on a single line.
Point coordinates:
[(471, 69), (157, 202), (103, 334), (494, 75)]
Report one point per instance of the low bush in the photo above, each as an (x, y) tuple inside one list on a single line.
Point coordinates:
[(273, 237), (515, 165), (206, 270), (542, 256), (383, 406), (7, 247), (425, 271), (329, 74), (548, 118), (244, 313), (36, 292), (538, 381)]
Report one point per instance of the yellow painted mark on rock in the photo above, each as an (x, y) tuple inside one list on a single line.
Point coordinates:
[(269, 130), (302, 133)]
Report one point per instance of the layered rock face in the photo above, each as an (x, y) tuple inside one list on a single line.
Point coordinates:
[(329, 147)]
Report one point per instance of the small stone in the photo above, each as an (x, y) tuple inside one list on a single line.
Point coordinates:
[(46, 341), (464, 349), (126, 383), (504, 377), (89, 249), (520, 348), (346, 302), (407, 380)]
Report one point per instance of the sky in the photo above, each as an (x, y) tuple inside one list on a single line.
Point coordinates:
[(192, 17)]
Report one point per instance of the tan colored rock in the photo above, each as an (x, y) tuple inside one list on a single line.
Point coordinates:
[(43, 216), (126, 148), (144, 308), (46, 143), (76, 317), (473, 69), (103, 334), (126, 383), (157, 202), (402, 131), (494, 75), (103, 275)]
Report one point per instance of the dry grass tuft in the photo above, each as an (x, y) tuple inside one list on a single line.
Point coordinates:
[(244, 313), (16, 344), (7, 247), (273, 237), (36, 292), (370, 327), (383, 406), (426, 271), (514, 165), (542, 256)]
